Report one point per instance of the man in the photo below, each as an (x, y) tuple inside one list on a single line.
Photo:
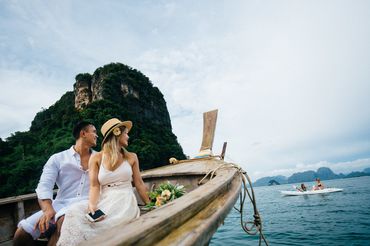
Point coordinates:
[(69, 170)]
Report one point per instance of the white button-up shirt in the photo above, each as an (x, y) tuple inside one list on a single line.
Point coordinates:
[(65, 170)]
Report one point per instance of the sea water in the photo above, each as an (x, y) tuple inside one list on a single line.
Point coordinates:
[(340, 218)]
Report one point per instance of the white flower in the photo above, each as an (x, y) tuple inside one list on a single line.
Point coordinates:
[(116, 131), (166, 194)]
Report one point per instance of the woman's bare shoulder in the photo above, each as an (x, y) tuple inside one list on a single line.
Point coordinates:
[(131, 154), (131, 157), (96, 156)]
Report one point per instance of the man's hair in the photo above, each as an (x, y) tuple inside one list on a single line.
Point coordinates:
[(82, 125)]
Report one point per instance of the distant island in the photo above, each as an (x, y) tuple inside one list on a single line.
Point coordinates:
[(324, 173)]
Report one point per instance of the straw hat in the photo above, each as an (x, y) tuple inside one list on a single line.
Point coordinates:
[(110, 125)]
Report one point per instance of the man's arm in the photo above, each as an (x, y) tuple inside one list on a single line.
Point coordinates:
[(44, 192), (47, 180), (49, 213)]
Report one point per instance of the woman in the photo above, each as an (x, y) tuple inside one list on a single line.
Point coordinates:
[(319, 185), (111, 172)]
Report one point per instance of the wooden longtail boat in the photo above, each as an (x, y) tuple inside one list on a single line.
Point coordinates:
[(189, 220)]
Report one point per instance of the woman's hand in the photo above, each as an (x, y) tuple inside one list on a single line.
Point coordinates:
[(92, 208)]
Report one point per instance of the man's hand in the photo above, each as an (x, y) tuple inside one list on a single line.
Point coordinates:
[(43, 223)]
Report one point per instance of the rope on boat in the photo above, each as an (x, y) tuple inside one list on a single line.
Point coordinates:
[(256, 225)]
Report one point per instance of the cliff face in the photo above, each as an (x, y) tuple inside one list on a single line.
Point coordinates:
[(119, 83), (83, 94), (117, 90)]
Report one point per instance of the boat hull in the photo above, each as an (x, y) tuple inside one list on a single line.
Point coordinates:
[(311, 192)]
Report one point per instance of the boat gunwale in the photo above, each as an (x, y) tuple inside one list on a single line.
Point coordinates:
[(149, 176), (20, 198)]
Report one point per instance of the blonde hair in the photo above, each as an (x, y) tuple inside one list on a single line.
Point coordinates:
[(112, 149)]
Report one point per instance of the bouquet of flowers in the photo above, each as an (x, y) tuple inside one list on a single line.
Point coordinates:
[(166, 192)]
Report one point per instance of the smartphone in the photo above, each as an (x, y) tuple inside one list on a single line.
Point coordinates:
[(49, 232), (97, 216)]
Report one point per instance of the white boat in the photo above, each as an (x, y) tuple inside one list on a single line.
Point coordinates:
[(309, 192)]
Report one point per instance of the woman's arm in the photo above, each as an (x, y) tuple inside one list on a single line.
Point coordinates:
[(138, 181), (94, 192)]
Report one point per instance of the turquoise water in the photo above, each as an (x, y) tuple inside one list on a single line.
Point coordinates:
[(341, 218)]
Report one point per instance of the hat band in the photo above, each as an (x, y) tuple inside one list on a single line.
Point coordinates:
[(110, 129)]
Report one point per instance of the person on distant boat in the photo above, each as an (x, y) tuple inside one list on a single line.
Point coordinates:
[(111, 172), (69, 171), (303, 188), (319, 185)]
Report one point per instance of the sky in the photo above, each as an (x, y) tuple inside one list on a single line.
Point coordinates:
[(291, 79)]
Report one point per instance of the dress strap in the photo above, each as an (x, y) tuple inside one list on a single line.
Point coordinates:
[(102, 159)]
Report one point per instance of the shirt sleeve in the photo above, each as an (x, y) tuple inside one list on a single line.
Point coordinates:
[(48, 177)]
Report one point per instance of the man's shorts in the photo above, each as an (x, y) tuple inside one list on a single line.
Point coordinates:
[(29, 223)]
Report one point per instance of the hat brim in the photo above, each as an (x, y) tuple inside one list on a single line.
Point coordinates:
[(127, 124)]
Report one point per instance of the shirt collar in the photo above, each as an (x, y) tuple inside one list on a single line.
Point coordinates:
[(72, 151)]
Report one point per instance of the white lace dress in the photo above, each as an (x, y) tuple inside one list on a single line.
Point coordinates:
[(117, 201)]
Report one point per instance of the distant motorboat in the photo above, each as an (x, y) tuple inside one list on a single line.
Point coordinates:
[(309, 192)]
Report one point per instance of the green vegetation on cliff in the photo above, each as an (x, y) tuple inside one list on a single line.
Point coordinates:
[(125, 93)]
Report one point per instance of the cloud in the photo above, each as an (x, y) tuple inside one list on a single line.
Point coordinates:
[(290, 79), (22, 95), (290, 121)]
